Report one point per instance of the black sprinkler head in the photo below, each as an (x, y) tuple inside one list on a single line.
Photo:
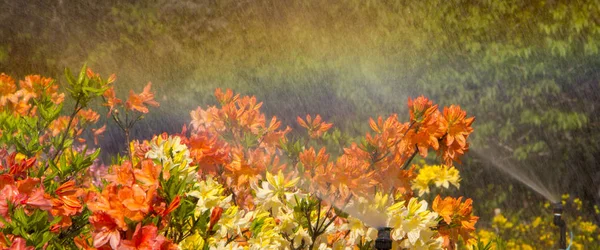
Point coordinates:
[(383, 241), (560, 223)]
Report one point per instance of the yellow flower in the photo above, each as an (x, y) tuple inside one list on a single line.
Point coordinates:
[(587, 227), (193, 241), (440, 175), (173, 155), (209, 194), (275, 191)]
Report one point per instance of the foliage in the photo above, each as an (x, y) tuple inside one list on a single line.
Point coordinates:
[(230, 180)]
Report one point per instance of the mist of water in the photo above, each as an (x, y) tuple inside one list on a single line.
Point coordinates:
[(520, 173)]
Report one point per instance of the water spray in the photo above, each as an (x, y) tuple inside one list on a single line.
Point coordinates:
[(383, 241), (560, 223)]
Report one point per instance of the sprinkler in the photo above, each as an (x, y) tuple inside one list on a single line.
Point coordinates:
[(560, 223), (383, 241)]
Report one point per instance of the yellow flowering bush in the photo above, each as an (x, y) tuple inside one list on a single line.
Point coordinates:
[(513, 231)]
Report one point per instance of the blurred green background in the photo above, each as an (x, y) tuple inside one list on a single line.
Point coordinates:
[(528, 70)]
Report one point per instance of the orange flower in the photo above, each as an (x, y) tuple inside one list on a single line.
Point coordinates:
[(174, 205), (7, 90), (148, 174), (82, 243), (209, 119), (316, 128), (145, 237), (19, 243), (138, 102), (351, 175), (89, 116), (67, 204), (227, 97), (111, 99), (208, 152), (18, 168), (23, 192), (59, 125), (97, 133), (457, 219), (136, 200), (105, 231), (273, 137), (420, 108), (215, 215), (68, 196), (311, 160), (457, 128), (35, 86), (122, 175), (246, 167)]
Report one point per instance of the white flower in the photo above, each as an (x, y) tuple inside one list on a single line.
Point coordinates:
[(411, 221), (301, 237)]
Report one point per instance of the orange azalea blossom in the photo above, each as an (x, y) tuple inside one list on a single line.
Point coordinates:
[(136, 201), (18, 243), (24, 108), (215, 215), (208, 152), (243, 115), (83, 243), (162, 211), (227, 97), (67, 203), (97, 132), (146, 238), (88, 116), (110, 99), (105, 230), (60, 124), (458, 219), (420, 108), (316, 128), (458, 128), (351, 176), (311, 160), (7, 90), (122, 175), (123, 202), (272, 137), (209, 119), (17, 168), (246, 167), (35, 86), (139, 102), (21, 193), (148, 174)]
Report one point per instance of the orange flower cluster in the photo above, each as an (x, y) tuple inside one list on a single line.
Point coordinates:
[(458, 219), (34, 87), (235, 142), (316, 128), (66, 204), (127, 201), (381, 159), (135, 102)]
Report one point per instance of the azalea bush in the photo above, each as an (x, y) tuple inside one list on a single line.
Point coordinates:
[(231, 179)]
